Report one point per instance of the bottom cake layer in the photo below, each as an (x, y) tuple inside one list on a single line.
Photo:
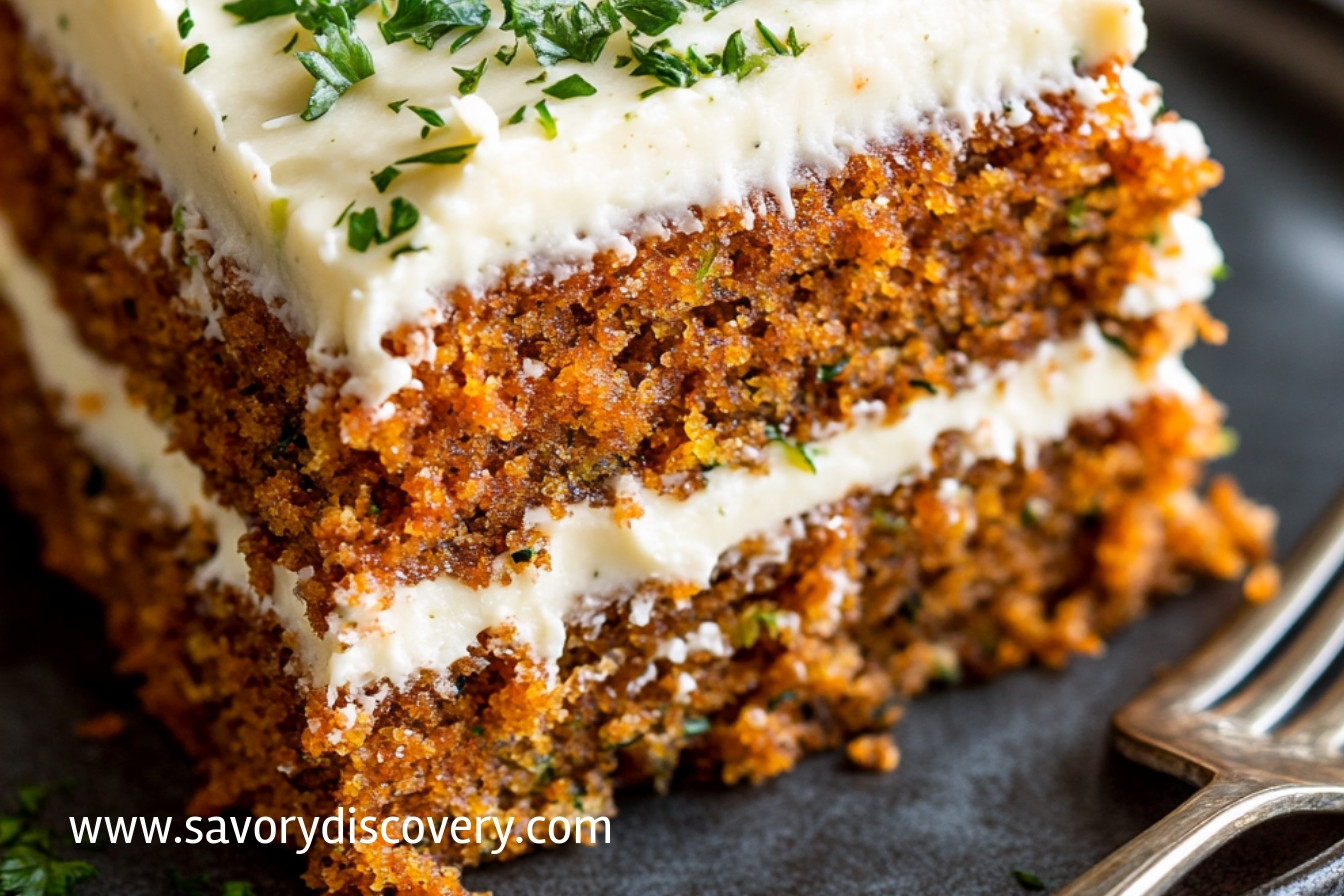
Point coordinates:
[(808, 636)]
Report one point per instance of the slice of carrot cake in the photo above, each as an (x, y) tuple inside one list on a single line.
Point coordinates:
[(463, 410)]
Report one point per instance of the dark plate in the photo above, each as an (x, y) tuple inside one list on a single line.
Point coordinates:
[(1020, 774)]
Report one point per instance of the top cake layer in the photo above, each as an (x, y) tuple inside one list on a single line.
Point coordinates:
[(228, 138)]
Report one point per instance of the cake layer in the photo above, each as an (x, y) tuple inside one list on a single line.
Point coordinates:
[(808, 634), (916, 259), (592, 554), (227, 138)]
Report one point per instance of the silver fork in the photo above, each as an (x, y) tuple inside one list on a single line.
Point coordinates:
[(1241, 724)]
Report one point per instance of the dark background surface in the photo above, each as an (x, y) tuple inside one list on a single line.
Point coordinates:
[(1017, 775)]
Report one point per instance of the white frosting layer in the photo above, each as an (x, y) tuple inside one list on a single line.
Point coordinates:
[(432, 624), (226, 139)]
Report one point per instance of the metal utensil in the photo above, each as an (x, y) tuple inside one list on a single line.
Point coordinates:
[(1248, 718)]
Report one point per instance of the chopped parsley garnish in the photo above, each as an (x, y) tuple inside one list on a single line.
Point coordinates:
[(250, 11), (1119, 343), (569, 88), (448, 155), (428, 21), (925, 385), (1028, 880), (706, 263), (396, 106), (185, 23), (758, 620), (517, 117), (506, 54), (383, 179), (558, 31), (27, 866), (348, 209), (407, 249), (195, 57), (471, 77), (1222, 272), (658, 60), (428, 116), (828, 372), (795, 452), (340, 61), (290, 44), (524, 555), (694, 726), (364, 230), (651, 17), (1077, 212), (547, 120)]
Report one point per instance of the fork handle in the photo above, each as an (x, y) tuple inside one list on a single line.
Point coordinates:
[(1153, 861)]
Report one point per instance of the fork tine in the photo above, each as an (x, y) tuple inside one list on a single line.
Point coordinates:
[(1274, 693), (1323, 722), (1229, 659)]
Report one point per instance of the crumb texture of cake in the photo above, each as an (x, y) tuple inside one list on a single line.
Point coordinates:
[(475, 443)]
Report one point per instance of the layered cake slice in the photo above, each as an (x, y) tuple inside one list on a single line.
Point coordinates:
[(463, 411)]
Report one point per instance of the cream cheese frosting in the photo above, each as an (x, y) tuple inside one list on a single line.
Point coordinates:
[(388, 638), (226, 138)]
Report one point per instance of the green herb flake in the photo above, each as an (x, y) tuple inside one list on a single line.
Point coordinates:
[(250, 11), (477, 731), (1117, 342), (289, 45), (383, 179), (505, 54), (196, 56), (827, 373), (558, 31), (524, 555), (651, 17), (1027, 880), (448, 155), (547, 120), (27, 866), (185, 23), (1222, 273), (622, 61), (694, 726), (428, 116), (408, 249), (659, 61), (340, 61), (796, 47), (706, 263), (517, 117), (470, 77), (344, 212), (426, 22), (364, 230), (796, 453), (736, 61), (570, 88), (925, 385), (396, 106), (774, 43), (1077, 213), (1229, 440)]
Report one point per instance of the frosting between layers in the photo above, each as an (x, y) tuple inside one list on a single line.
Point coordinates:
[(432, 624), (225, 139)]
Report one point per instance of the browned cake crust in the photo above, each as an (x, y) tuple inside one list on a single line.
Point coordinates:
[(1057, 556), (896, 273)]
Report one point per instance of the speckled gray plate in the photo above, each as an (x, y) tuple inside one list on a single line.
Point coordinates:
[(1019, 774)]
